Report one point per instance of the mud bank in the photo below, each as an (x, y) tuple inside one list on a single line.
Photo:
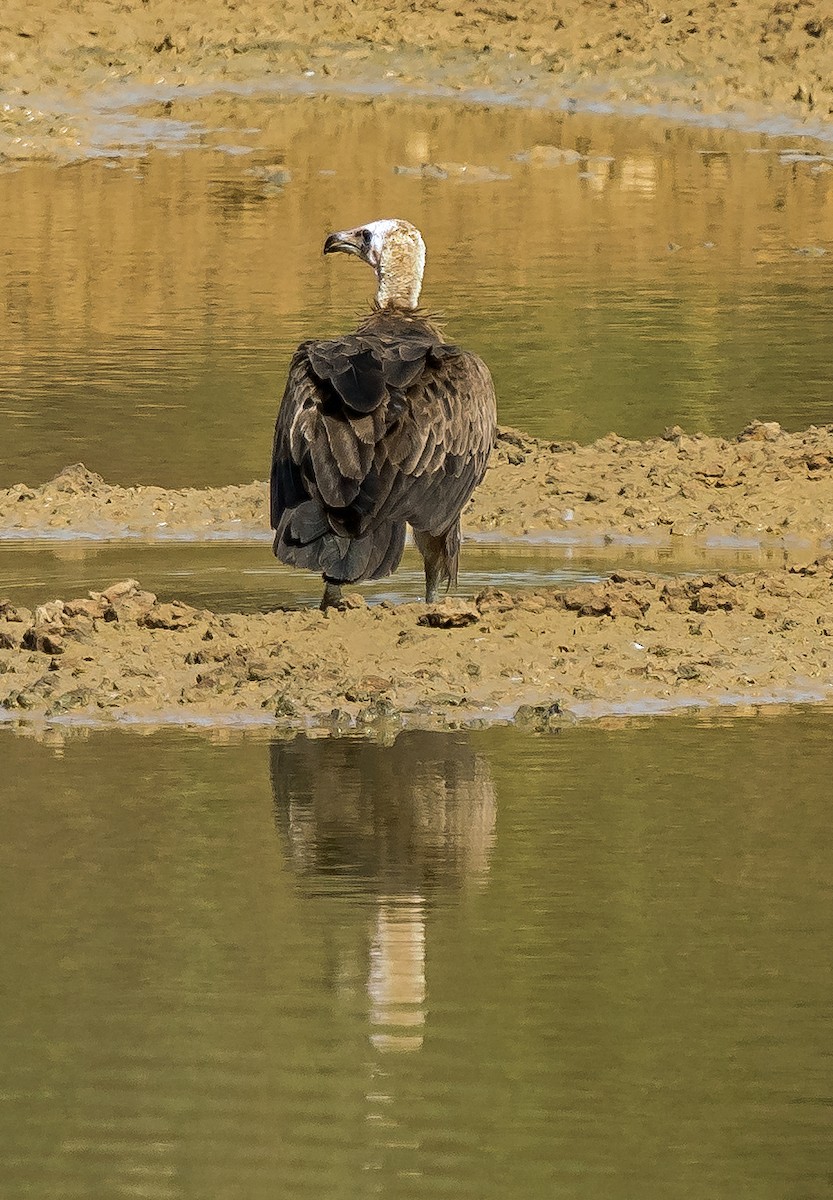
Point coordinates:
[(634, 643), (766, 487), (65, 65)]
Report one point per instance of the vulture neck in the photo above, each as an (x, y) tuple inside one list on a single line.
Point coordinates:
[(398, 293), (399, 276)]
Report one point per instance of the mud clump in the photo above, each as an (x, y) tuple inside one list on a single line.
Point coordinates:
[(451, 615), (765, 486), (625, 644)]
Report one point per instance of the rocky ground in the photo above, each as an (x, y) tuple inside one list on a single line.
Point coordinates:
[(61, 62)]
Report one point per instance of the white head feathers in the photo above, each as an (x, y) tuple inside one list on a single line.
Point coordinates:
[(395, 250)]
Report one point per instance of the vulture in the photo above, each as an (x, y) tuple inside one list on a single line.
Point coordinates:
[(384, 427)]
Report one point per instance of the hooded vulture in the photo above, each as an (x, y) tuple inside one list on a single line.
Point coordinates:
[(385, 426)]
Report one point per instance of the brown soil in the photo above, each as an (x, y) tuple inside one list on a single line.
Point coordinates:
[(765, 487), (631, 644), (756, 56), (634, 643)]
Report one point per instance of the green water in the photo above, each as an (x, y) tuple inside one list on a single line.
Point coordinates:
[(473, 965)]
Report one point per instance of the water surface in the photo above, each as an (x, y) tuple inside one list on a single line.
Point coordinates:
[(593, 964), (663, 274), (246, 578)]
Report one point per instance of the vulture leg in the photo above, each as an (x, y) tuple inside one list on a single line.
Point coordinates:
[(332, 596), (440, 553)]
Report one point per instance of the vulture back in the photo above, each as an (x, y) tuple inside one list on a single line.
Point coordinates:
[(385, 426)]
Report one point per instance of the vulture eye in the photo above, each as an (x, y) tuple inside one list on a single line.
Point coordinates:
[(367, 238)]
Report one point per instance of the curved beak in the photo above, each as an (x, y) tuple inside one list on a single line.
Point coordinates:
[(347, 240)]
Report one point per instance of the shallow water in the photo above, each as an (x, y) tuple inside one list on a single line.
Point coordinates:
[(150, 302), (592, 964), (246, 578)]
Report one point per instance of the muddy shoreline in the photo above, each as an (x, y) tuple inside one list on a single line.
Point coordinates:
[(636, 642), (67, 69), (633, 643), (765, 487)]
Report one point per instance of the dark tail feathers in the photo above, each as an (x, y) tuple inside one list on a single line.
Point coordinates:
[(304, 538)]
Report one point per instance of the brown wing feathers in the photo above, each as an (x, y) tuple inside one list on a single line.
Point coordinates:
[(384, 426)]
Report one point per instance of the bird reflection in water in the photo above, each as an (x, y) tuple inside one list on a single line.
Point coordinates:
[(401, 824)]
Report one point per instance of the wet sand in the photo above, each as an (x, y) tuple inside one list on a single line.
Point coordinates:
[(766, 487), (634, 643), (631, 644), (64, 66)]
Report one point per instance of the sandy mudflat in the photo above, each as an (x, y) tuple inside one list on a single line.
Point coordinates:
[(61, 62), (764, 487), (634, 643)]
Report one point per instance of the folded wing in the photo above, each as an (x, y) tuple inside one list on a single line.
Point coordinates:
[(385, 426)]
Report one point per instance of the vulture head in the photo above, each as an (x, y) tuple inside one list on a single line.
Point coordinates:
[(395, 250)]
